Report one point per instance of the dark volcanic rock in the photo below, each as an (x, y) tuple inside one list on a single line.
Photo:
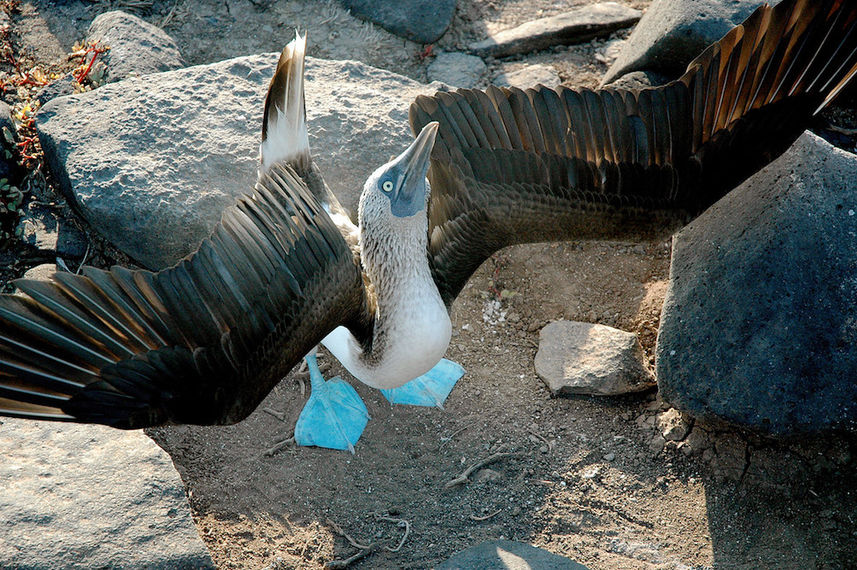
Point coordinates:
[(508, 555), (759, 326), (673, 32), (422, 21)]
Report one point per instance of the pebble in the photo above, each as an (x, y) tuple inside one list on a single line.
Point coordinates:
[(529, 76), (591, 473), (582, 358), (610, 456), (656, 444), (457, 69)]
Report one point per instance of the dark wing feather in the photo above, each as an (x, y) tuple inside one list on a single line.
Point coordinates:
[(513, 166), (202, 342)]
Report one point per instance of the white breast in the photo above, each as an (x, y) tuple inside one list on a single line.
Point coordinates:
[(416, 329)]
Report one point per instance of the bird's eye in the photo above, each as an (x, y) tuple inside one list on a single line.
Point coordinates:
[(387, 186)]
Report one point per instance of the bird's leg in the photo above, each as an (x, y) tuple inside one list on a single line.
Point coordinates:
[(334, 416), (430, 389)]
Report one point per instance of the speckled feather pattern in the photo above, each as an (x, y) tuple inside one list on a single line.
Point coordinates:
[(412, 327)]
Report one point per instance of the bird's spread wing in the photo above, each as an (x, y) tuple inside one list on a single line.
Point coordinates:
[(513, 166), (202, 342)]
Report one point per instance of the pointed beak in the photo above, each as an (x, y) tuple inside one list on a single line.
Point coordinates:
[(414, 164), (415, 160)]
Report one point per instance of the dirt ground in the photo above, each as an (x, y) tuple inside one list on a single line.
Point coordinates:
[(588, 478)]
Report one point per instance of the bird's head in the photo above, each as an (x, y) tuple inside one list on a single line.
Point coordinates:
[(398, 190)]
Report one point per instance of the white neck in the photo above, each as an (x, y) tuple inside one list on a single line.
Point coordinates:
[(412, 327)]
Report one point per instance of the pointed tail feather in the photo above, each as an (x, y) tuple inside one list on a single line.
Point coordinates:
[(284, 131)]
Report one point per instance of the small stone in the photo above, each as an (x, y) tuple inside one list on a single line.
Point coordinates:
[(40, 227), (582, 358), (672, 425), (510, 555), (136, 46), (697, 441), (639, 80), (456, 69), (529, 76), (487, 475), (609, 457), (41, 272), (608, 53), (591, 473), (657, 443)]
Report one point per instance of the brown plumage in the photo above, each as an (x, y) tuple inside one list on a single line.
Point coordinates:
[(513, 166), (202, 342)]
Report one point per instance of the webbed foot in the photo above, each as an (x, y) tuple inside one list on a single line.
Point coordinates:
[(430, 389), (334, 416)]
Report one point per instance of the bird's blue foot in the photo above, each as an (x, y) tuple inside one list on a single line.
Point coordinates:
[(334, 416), (430, 389)]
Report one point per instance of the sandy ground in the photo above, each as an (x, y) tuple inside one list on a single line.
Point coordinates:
[(585, 477)]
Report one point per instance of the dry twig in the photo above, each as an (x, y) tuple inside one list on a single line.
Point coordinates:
[(544, 440), (462, 479), (451, 437), (279, 446), (486, 517), (169, 17), (279, 415), (399, 522), (339, 564), (347, 537)]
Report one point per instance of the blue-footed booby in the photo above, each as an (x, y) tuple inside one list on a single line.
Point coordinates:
[(203, 342)]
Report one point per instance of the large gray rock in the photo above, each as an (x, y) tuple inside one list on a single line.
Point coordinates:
[(759, 327), (585, 358), (673, 32), (136, 46), (573, 27), (422, 21), (153, 162), (89, 497), (508, 555)]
